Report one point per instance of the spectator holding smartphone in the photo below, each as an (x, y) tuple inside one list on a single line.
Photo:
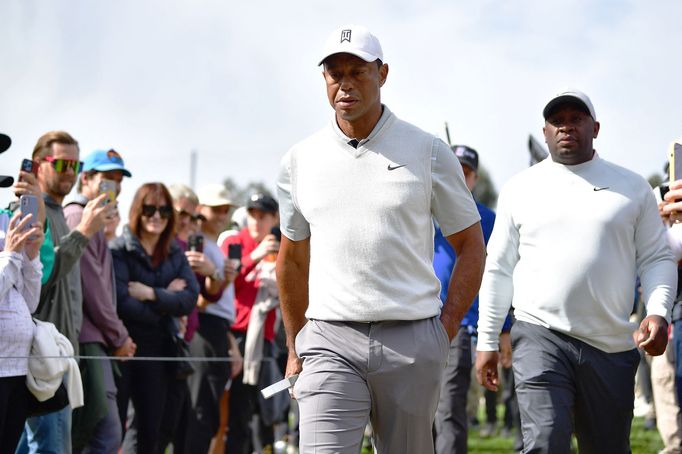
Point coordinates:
[(254, 330), (20, 273), (154, 284), (56, 155), (96, 425)]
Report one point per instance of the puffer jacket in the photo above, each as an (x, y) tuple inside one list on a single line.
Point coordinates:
[(150, 320)]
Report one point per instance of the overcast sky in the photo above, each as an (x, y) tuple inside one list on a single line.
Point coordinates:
[(238, 81)]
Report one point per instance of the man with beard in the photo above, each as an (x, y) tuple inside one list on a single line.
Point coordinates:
[(56, 155)]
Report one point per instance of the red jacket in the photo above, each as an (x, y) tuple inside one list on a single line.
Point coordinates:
[(245, 291)]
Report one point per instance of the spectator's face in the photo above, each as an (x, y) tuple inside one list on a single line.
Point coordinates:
[(216, 218), (58, 184), (186, 222), (569, 132), (259, 223), (353, 85), (154, 224)]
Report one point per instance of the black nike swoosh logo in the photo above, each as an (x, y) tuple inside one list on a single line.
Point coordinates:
[(597, 188), (395, 167)]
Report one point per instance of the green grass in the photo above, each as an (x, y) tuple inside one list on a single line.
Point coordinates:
[(642, 441)]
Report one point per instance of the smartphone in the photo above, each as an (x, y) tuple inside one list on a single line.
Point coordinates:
[(28, 204), (108, 187), (675, 157), (234, 253), (195, 243), (277, 232), (28, 166)]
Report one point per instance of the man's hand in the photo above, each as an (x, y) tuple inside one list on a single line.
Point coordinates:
[(95, 215), (652, 335), (294, 367), (486, 369), (127, 350), (230, 270), (505, 350), (200, 263), (269, 245), (673, 208), (141, 292), (451, 325)]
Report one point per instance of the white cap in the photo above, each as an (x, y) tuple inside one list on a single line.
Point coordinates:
[(570, 95), (353, 39), (214, 195)]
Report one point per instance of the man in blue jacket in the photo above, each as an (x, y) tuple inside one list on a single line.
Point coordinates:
[(451, 416)]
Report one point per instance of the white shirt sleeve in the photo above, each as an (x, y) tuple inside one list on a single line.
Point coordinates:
[(32, 272), (497, 290), (292, 223), (656, 267), (10, 266), (452, 204)]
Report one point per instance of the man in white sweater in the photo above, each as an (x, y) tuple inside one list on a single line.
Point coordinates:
[(355, 263), (571, 235)]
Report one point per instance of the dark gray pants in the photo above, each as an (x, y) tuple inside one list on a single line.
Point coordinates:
[(451, 416), (387, 372), (565, 385)]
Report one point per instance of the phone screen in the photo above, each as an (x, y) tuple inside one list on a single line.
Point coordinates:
[(234, 251)]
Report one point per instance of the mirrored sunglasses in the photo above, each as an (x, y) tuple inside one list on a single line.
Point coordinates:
[(62, 165)]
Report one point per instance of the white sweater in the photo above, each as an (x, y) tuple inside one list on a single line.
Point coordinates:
[(568, 244), (368, 213)]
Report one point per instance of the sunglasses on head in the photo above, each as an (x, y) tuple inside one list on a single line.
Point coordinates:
[(62, 165), (192, 217), (165, 211)]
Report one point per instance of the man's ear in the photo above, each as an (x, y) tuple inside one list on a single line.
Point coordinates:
[(383, 73), (597, 125)]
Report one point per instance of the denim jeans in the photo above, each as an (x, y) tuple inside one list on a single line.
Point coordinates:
[(47, 434)]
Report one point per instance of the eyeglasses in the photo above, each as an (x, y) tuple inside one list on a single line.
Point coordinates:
[(62, 165), (165, 211), (192, 217)]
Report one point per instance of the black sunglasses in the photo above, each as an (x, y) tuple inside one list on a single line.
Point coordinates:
[(192, 217), (165, 211)]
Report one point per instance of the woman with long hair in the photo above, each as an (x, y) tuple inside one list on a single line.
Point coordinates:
[(154, 284)]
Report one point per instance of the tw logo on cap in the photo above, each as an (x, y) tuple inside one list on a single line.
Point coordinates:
[(345, 35)]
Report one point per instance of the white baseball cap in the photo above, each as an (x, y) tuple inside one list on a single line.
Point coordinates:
[(214, 195), (570, 95), (353, 39)]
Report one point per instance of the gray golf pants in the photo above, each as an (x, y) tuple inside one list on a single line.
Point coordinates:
[(387, 372), (565, 385)]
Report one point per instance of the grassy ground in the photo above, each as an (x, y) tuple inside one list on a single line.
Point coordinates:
[(642, 441)]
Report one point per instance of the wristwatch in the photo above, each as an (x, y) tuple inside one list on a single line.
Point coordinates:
[(217, 275)]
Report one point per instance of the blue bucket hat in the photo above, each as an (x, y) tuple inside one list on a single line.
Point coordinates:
[(103, 160)]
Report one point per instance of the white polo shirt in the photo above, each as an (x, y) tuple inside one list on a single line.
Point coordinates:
[(368, 212)]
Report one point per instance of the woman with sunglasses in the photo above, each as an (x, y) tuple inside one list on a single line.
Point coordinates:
[(154, 284)]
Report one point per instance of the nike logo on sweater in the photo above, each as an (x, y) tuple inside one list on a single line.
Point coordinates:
[(597, 188), (395, 167)]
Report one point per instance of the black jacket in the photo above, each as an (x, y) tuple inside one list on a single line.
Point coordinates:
[(147, 319)]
